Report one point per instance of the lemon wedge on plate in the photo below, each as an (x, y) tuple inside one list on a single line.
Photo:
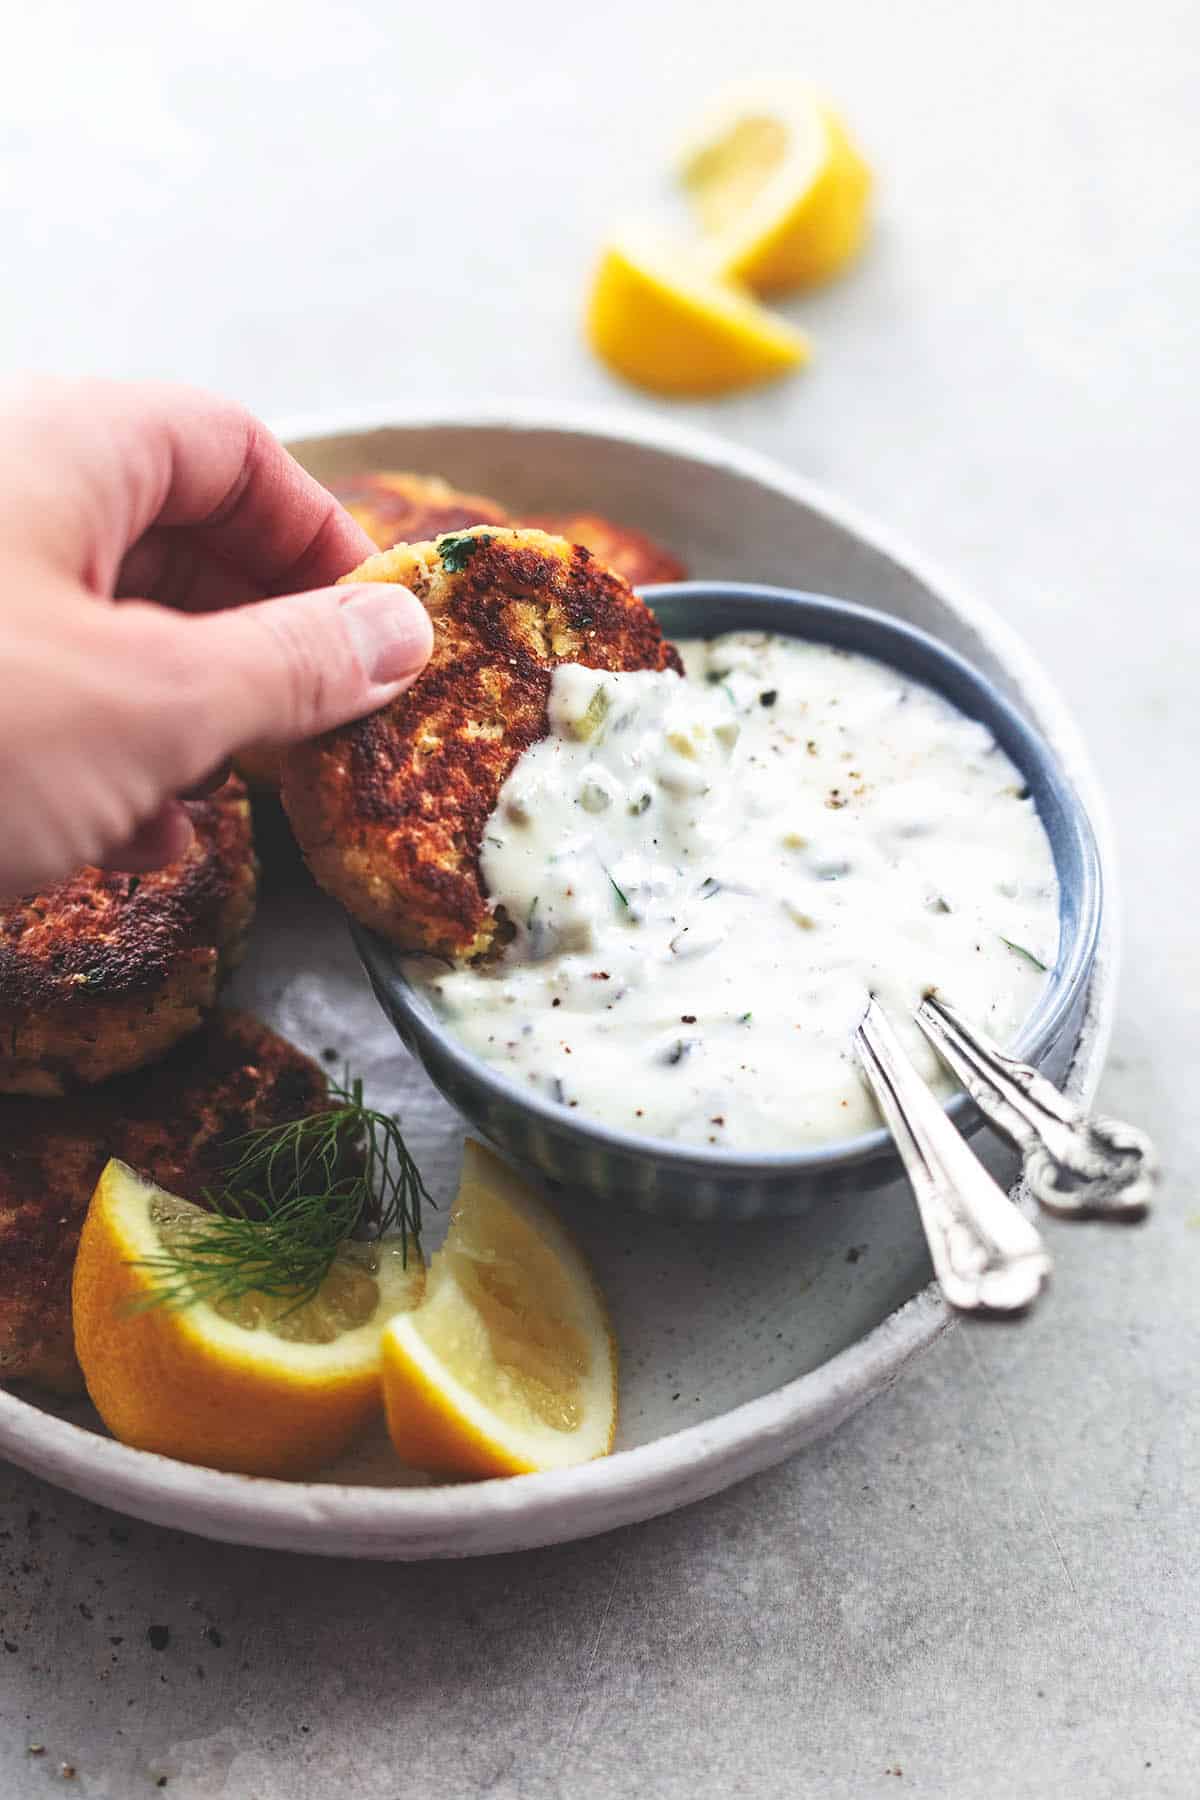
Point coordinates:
[(778, 187), (508, 1366), (662, 319), (257, 1384)]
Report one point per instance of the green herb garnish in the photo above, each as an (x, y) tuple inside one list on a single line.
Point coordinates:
[(1022, 951), (745, 1018), (457, 548), (292, 1194), (529, 916), (623, 898), (593, 716)]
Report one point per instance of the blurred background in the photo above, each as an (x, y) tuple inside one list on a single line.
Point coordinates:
[(317, 207)]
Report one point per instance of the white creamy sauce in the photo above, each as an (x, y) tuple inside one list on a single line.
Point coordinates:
[(708, 878)]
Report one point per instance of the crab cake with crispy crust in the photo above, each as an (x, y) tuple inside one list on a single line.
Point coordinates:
[(394, 507), (173, 1123), (106, 971), (626, 552), (390, 811)]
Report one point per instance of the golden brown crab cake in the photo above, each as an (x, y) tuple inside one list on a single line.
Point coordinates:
[(173, 1123), (390, 811), (394, 507), (104, 972), (628, 553)]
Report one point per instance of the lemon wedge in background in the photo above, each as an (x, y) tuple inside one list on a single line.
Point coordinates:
[(778, 187), (508, 1366), (253, 1384), (667, 323)]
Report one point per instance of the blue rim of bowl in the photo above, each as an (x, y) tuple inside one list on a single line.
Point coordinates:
[(1027, 749)]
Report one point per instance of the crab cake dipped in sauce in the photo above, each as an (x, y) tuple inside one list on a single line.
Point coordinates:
[(395, 507), (106, 971), (390, 812), (628, 553), (174, 1123)]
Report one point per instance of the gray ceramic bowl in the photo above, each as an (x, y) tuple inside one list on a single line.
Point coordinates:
[(655, 1175)]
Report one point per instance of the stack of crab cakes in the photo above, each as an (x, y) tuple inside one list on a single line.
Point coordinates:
[(112, 1044)]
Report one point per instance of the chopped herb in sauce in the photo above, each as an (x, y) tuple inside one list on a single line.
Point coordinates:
[(1020, 950), (622, 897), (593, 715)]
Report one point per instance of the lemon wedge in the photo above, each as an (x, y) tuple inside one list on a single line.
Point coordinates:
[(664, 321), (256, 1384), (778, 187), (508, 1366)]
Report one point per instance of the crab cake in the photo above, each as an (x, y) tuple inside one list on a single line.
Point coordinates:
[(391, 507), (106, 971), (626, 552), (390, 811), (394, 507), (173, 1122)]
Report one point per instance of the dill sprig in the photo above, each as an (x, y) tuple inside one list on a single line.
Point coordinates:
[(291, 1195)]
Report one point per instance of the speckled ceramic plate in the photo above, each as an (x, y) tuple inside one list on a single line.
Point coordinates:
[(740, 1344)]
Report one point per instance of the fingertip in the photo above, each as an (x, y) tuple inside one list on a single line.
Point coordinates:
[(389, 630)]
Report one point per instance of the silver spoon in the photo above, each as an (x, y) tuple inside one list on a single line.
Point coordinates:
[(987, 1256), (1077, 1166)]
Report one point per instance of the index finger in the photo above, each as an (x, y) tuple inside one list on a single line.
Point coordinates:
[(89, 466)]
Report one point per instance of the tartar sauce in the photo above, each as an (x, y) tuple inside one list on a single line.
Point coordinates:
[(708, 877)]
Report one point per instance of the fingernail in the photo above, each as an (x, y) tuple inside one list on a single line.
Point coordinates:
[(389, 630)]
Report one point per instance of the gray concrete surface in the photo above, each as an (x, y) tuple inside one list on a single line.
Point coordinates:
[(987, 1585)]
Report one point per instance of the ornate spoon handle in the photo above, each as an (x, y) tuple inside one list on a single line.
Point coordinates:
[(987, 1257), (1077, 1167)]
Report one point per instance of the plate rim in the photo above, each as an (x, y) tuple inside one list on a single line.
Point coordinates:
[(408, 1523)]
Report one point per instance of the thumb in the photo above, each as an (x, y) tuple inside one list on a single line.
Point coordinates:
[(283, 670)]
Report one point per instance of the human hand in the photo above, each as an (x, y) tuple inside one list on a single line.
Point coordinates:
[(136, 521)]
